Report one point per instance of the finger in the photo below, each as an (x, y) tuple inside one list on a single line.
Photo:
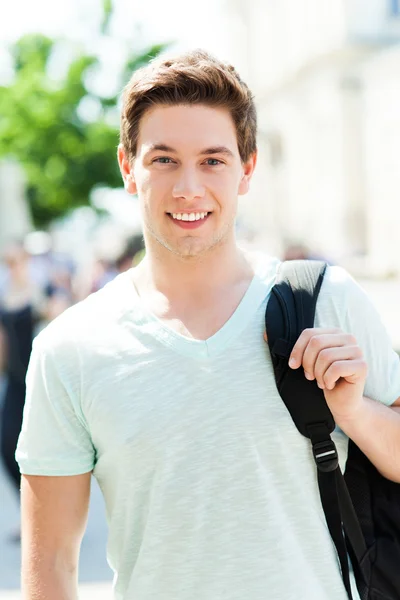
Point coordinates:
[(330, 355), (265, 337), (350, 370), (296, 356), (321, 342)]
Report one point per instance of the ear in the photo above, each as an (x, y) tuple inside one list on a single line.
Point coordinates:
[(248, 169), (126, 171)]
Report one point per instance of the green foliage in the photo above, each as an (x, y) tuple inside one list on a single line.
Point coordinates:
[(107, 13), (64, 155)]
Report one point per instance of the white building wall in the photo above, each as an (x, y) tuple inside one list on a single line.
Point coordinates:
[(372, 21), (288, 35), (382, 148), (310, 175), (328, 100)]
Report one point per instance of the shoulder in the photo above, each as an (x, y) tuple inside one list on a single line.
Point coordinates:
[(340, 294), (265, 266), (336, 286), (344, 303), (338, 278)]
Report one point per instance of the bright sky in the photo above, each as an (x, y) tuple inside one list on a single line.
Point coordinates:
[(192, 24)]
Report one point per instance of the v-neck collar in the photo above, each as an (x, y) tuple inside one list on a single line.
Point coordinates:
[(257, 291)]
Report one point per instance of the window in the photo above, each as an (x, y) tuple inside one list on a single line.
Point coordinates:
[(394, 7)]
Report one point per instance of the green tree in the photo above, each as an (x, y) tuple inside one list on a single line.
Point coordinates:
[(64, 155)]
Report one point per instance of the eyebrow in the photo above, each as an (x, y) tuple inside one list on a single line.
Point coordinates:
[(162, 147), (217, 150), (211, 150)]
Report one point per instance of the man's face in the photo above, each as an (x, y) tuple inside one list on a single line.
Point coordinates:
[(187, 174)]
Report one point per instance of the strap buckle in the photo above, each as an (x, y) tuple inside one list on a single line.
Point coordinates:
[(326, 456)]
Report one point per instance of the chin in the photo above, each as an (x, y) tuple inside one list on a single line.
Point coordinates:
[(189, 247), (192, 251)]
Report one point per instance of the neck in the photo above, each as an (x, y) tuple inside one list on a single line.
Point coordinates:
[(178, 277)]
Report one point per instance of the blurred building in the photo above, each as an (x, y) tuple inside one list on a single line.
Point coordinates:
[(327, 82)]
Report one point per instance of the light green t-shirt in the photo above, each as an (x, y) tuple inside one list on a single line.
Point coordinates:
[(210, 491)]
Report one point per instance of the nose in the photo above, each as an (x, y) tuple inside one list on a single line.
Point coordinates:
[(188, 185)]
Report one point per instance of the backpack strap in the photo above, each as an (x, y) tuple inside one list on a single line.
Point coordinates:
[(290, 310)]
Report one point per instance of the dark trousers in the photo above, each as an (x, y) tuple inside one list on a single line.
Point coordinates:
[(11, 422)]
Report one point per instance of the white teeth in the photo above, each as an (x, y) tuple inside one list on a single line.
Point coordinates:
[(189, 216)]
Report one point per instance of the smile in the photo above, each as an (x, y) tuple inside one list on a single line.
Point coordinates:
[(189, 216)]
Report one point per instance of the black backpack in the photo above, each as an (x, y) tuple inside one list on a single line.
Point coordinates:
[(362, 508)]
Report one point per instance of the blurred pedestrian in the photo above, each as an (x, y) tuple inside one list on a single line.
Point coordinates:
[(21, 303), (132, 253), (296, 252), (300, 251)]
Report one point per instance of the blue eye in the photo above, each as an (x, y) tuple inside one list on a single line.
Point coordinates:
[(213, 162), (163, 160)]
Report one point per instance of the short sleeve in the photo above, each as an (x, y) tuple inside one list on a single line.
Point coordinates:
[(54, 438), (343, 303)]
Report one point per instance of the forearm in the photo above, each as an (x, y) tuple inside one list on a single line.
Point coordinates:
[(53, 518), (376, 431), (46, 580)]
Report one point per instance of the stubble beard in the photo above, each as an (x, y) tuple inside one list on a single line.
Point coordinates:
[(191, 248)]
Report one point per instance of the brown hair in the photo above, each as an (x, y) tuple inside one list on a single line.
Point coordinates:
[(195, 77)]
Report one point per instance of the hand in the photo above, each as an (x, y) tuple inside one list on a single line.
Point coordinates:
[(334, 359)]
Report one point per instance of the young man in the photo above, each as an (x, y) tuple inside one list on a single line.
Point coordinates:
[(161, 384)]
